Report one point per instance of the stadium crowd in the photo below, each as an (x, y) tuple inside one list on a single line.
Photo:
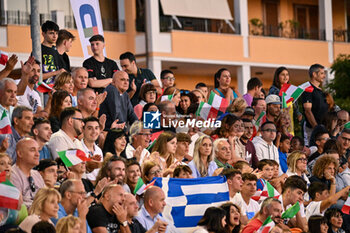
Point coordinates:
[(99, 109)]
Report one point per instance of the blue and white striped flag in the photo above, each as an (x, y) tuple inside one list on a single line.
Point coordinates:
[(187, 199)]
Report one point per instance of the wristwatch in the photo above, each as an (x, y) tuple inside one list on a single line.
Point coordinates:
[(125, 223)]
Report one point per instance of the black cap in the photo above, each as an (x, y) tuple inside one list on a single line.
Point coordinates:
[(45, 163)]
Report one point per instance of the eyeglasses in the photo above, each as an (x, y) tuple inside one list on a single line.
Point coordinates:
[(270, 130), (156, 172), (77, 118), (169, 78), (302, 159), (151, 92), (144, 134), (31, 184), (184, 91), (82, 193), (345, 138)]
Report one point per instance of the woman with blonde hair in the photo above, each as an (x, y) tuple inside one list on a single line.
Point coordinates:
[(296, 163), (150, 169), (237, 106), (171, 91), (203, 163), (69, 224), (44, 207), (64, 81)]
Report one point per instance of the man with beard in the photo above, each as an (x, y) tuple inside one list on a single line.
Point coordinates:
[(30, 98), (273, 103), (71, 121)]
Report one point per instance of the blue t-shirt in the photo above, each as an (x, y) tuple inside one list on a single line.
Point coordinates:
[(283, 161), (45, 153)]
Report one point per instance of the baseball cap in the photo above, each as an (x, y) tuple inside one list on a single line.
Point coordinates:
[(273, 99)]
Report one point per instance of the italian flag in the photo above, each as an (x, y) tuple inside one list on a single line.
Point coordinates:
[(268, 191), (154, 137), (267, 226), (2, 176), (9, 195), (43, 87), (206, 111), (141, 187), (5, 125), (346, 206), (260, 118), (73, 157), (218, 102), (292, 93), (307, 87), (166, 97), (291, 211), (3, 57)]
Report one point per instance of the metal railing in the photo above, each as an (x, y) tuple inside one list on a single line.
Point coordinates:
[(167, 24), (340, 35), (287, 32)]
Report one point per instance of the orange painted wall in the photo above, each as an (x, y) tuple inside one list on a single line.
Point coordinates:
[(287, 51), (206, 45), (338, 9), (341, 48)]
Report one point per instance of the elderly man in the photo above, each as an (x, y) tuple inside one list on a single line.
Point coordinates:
[(72, 124), (132, 207), (222, 150), (117, 104), (109, 215), (87, 103), (80, 79), (22, 122), (149, 215), (27, 180), (139, 141), (73, 202), (8, 91)]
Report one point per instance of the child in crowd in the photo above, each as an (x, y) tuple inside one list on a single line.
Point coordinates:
[(266, 166), (283, 149)]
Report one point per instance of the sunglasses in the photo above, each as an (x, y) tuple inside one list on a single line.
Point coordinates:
[(31, 184)]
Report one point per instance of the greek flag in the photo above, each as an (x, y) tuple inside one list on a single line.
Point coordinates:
[(187, 199)]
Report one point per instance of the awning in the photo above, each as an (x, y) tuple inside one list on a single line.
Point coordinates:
[(209, 9)]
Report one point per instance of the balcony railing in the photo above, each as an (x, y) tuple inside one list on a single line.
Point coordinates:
[(23, 18), (167, 24), (287, 32), (341, 35)]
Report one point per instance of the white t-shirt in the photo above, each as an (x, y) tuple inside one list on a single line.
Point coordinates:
[(249, 210), (92, 175), (314, 208), (237, 200), (30, 99)]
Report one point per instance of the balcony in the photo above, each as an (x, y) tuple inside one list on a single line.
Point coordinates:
[(167, 24)]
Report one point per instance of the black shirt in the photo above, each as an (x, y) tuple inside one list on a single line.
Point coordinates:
[(142, 74), (136, 227), (100, 70), (98, 216), (319, 104), (64, 62), (50, 61)]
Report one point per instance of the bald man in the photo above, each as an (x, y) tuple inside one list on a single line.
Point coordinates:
[(343, 118), (132, 207), (149, 214), (110, 214), (27, 180), (117, 104)]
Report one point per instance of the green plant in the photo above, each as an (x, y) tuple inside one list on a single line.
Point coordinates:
[(339, 87), (257, 26)]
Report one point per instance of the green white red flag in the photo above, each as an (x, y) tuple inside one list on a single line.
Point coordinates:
[(291, 211), (9, 195), (73, 157), (292, 93), (166, 97), (307, 87), (267, 226), (268, 191), (3, 57), (43, 87), (346, 206), (218, 102), (5, 125), (141, 187), (206, 111)]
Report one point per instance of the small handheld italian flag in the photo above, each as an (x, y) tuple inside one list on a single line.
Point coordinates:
[(218, 102), (307, 87), (73, 157), (291, 211), (260, 118), (346, 206), (206, 111), (166, 97), (5, 125), (268, 191), (3, 57), (43, 87), (9, 195), (140, 187), (267, 226), (292, 93)]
